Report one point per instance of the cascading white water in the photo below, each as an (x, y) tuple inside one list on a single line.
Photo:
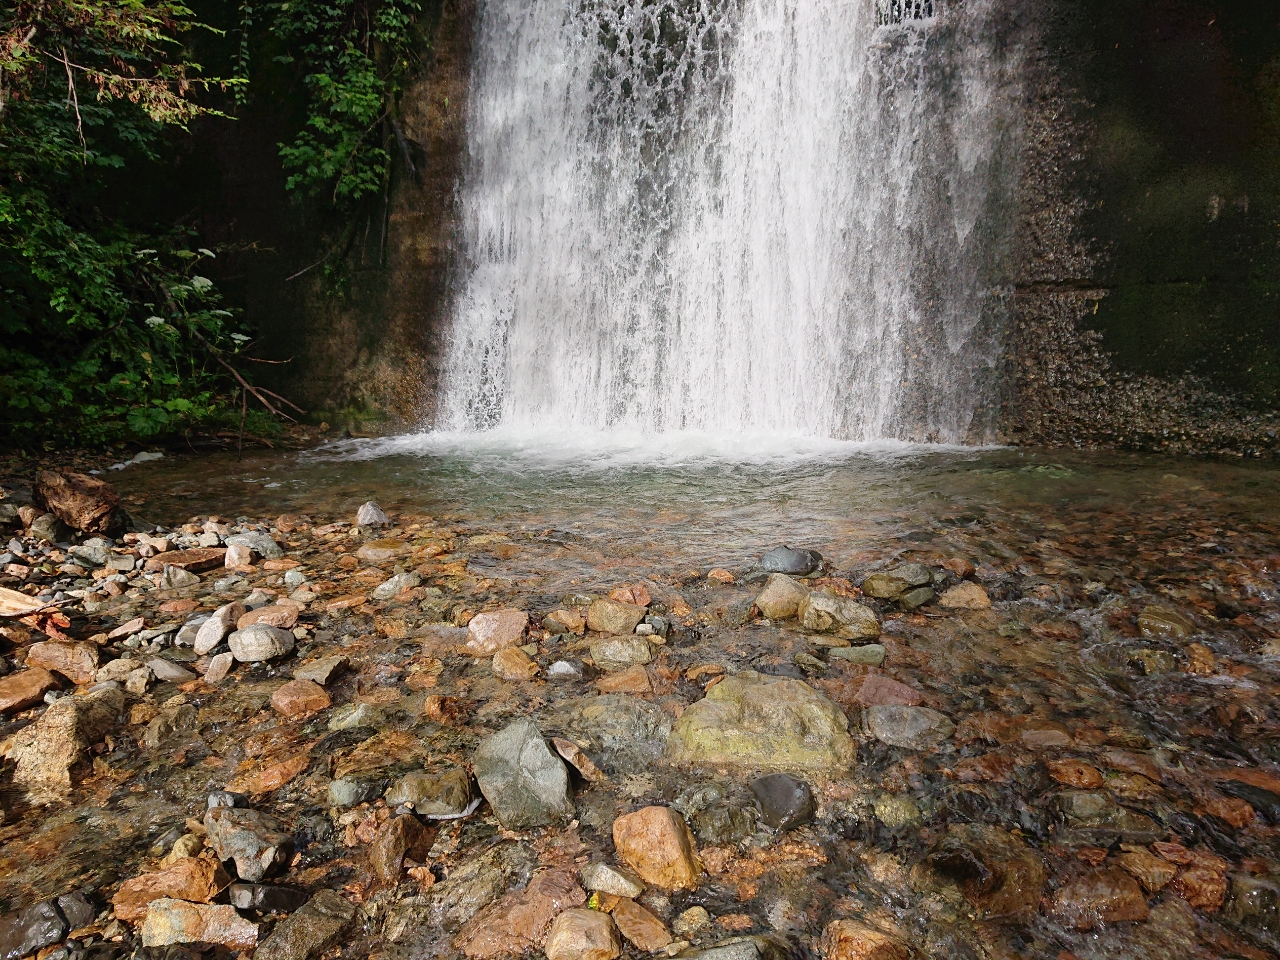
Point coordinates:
[(735, 216)]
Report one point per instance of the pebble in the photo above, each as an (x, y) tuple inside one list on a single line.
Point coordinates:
[(487, 633), (620, 652), (265, 898), (321, 670), (214, 630), (784, 801), (169, 672), (219, 666), (433, 794), (371, 515), (841, 616), (176, 921), (512, 663), (912, 728), (257, 842), (614, 616), (785, 560), (1102, 896), (965, 596), (260, 543), (868, 654), (356, 715), (691, 922), (855, 940), (780, 597), (24, 689), (300, 697)]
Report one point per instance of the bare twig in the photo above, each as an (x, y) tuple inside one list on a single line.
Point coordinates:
[(258, 393), (304, 270), (75, 99)]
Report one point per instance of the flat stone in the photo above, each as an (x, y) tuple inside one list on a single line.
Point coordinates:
[(634, 679), (117, 671), (176, 921), (892, 583), (855, 940), (25, 689), (606, 878), (257, 541), (398, 838), (168, 671), (614, 616), (783, 559), (219, 666), (1162, 622), (879, 690), (260, 642), (577, 758), (51, 753), (965, 596), (1093, 818), (656, 843), (284, 616), (869, 654), (525, 783), (392, 587), (915, 598), (1101, 896), (780, 597), (380, 551), (841, 616), (265, 897), (318, 925), (214, 630), (433, 794), (256, 841), (194, 879), (912, 728), (641, 928), (1154, 873), (519, 922), (299, 697), (348, 792), (512, 663), (997, 872), (356, 715), (620, 652), (580, 934), (753, 720), (193, 561), (78, 662), (784, 801), (487, 633), (320, 671)]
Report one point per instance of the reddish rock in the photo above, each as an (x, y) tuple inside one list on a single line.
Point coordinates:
[(194, 879), (574, 756), (1204, 887), (634, 679), (487, 633), (641, 928), (176, 921), (512, 663), (1105, 896), (284, 616), (18, 691), (655, 842), (519, 921), (78, 662), (399, 837), (854, 940), (1154, 873), (193, 561), (1042, 734), (298, 697), (1075, 773), (81, 502), (877, 690), (965, 596)]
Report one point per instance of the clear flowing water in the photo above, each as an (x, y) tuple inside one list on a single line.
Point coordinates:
[(736, 216)]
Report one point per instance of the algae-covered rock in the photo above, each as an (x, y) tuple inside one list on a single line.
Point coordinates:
[(841, 616), (751, 720)]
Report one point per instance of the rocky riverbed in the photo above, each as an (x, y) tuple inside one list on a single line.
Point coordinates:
[(384, 733)]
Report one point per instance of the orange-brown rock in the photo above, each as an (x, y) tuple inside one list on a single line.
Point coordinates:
[(195, 560), (519, 922), (81, 502), (634, 679), (1153, 872), (512, 663), (284, 616), (18, 691), (1101, 896), (298, 697), (1204, 887), (655, 842), (573, 754), (1075, 773), (854, 940), (878, 690), (194, 879), (398, 838), (642, 929), (78, 662), (583, 935)]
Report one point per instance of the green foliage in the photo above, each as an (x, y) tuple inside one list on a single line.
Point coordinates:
[(107, 329), (355, 55)]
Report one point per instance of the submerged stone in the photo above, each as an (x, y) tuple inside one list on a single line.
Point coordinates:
[(525, 783), (784, 801), (752, 720), (909, 727), (998, 873)]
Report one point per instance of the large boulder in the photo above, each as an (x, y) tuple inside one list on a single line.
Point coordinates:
[(82, 502), (50, 753), (756, 721), (525, 783)]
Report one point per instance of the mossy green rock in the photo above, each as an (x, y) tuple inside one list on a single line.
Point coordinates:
[(756, 721)]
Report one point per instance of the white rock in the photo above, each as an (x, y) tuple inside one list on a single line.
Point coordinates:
[(213, 630), (259, 641)]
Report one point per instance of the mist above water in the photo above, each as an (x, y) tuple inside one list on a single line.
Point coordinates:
[(736, 217)]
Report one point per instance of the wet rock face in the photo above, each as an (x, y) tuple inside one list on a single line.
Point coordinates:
[(520, 921), (784, 801), (255, 842), (752, 720), (176, 921), (1101, 896), (23, 932), (656, 843), (998, 873), (583, 935), (908, 727), (525, 783), (316, 927), (785, 560)]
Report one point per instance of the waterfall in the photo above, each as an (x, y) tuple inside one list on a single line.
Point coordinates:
[(736, 216)]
